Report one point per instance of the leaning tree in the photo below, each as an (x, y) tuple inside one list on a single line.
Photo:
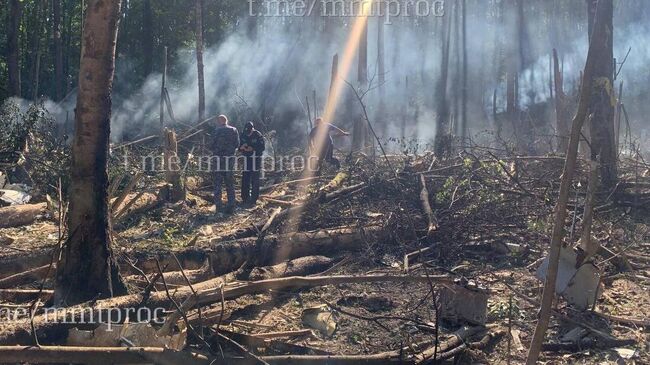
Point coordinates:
[(88, 269)]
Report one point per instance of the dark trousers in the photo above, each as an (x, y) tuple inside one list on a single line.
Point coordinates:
[(328, 156), (224, 178), (250, 181), (224, 175)]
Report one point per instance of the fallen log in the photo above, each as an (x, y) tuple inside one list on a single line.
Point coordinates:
[(24, 295), (99, 355), (225, 257), (27, 277), (300, 266), (22, 261), (56, 324), (138, 203), (392, 357), (21, 215), (178, 278)]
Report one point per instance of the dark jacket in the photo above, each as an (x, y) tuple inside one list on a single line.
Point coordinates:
[(225, 141), (255, 140)]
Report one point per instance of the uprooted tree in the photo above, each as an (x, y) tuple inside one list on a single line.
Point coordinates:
[(87, 268)]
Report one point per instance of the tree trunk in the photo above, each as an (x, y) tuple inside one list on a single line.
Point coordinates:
[(199, 58), (36, 48), (381, 72), (443, 138), (88, 269), (603, 101), (58, 50), (12, 50), (359, 132), (561, 109), (560, 212), (147, 38), (463, 109)]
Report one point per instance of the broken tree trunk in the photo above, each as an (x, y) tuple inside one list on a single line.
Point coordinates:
[(426, 206), (175, 190), (21, 215), (560, 208), (602, 100)]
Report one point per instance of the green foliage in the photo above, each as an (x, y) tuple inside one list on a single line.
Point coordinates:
[(501, 310), (28, 139)]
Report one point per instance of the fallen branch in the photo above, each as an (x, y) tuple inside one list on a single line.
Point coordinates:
[(25, 277), (95, 355), (586, 344), (284, 334), (21, 215), (458, 338)]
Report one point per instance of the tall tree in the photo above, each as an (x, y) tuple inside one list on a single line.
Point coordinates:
[(40, 8), (463, 109), (603, 102), (442, 142), (88, 269), (13, 50), (147, 37), (199, 57), (58, 49), (359, 132), (561, 108)]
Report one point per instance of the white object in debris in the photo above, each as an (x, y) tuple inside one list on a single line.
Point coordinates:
[(14, 197), (580, 287), (320, 318)]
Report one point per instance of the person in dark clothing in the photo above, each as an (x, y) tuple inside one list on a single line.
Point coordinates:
[(224, 146), (252, 147), (321, 143)]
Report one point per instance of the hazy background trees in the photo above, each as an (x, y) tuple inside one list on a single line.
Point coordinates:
[(263, 67)]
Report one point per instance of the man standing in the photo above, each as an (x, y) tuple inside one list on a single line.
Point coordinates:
[(321, 143), (224, 146), (252, 147)]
